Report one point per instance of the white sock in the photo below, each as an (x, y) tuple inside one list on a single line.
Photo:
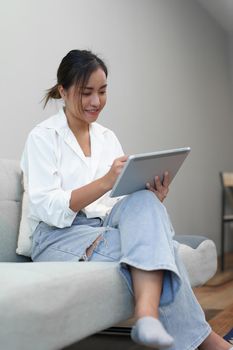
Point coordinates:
[(149, 331)]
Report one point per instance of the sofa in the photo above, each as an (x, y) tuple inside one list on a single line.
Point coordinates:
[(50, 305)]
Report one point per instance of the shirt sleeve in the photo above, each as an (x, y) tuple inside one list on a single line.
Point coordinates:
[(48, 202)]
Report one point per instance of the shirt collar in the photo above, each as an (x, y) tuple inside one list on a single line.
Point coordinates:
[(59, 123)]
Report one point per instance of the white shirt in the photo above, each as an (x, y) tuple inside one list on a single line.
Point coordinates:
[(54, 165)]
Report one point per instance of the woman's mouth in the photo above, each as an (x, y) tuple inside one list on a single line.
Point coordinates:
[(92, 112)]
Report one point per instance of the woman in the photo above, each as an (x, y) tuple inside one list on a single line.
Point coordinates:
[(71, 163)]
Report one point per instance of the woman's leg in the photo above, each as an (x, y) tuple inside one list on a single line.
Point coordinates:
[(215, 342), (147, 252), (146, 239), (147, 286)]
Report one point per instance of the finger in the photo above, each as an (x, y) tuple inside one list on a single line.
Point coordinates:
[(166, 179), (123, 158), (120, 160), (149, 187), (119, 167), (160, 195), (158, 185)]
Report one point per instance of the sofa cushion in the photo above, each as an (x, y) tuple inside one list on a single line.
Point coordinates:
[(10, 180), (10, 209), (201, 261), (24, 244)]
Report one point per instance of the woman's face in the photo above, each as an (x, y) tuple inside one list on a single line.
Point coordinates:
[(93, 98)]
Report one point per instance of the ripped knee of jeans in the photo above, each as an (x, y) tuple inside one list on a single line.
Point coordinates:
[(92, 247)]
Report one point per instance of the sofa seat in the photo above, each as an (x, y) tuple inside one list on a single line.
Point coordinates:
[(51, 305)]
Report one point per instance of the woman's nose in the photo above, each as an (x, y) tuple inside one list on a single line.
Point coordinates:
[(95, 101)]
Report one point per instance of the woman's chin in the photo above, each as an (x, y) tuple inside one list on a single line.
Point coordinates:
[(91, 117)]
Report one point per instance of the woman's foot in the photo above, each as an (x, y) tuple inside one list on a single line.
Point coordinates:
[(149, 331)]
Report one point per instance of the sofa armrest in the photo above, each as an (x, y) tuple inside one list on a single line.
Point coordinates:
[(199, 256)]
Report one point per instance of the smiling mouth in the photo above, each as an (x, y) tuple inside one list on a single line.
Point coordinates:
[(92, 110)]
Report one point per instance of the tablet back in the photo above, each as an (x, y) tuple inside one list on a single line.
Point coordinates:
[(142, 168)]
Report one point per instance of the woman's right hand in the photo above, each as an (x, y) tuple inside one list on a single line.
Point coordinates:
[(115, 170)]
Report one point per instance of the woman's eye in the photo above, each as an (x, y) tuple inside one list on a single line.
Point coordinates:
[(89, 93)]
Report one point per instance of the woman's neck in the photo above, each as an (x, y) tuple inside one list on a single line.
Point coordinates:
[(77, 125), (80, 129)]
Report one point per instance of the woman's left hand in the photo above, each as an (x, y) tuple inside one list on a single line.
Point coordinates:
[(160, 189)]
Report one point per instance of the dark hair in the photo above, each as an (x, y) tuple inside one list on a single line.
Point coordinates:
[(75, 69)]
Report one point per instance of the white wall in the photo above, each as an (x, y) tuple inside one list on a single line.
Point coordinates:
[(231, 57), (169, 85)]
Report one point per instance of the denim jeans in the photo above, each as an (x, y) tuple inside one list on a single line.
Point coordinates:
[(137, 232)]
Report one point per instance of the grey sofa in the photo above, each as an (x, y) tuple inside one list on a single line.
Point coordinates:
[(45, 306)]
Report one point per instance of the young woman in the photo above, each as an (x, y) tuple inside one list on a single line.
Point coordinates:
[(70, 163)]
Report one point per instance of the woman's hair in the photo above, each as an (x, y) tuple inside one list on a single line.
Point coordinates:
[(75, 69)]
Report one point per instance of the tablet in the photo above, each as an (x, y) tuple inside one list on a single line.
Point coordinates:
[(142, 168)]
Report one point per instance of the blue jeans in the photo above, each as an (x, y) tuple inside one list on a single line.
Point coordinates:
[(138, 233)]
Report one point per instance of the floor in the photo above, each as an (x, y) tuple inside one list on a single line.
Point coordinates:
[(214, 297), (217, 292)]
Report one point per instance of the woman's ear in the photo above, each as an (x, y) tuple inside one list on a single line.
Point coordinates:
[(62, 91)]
